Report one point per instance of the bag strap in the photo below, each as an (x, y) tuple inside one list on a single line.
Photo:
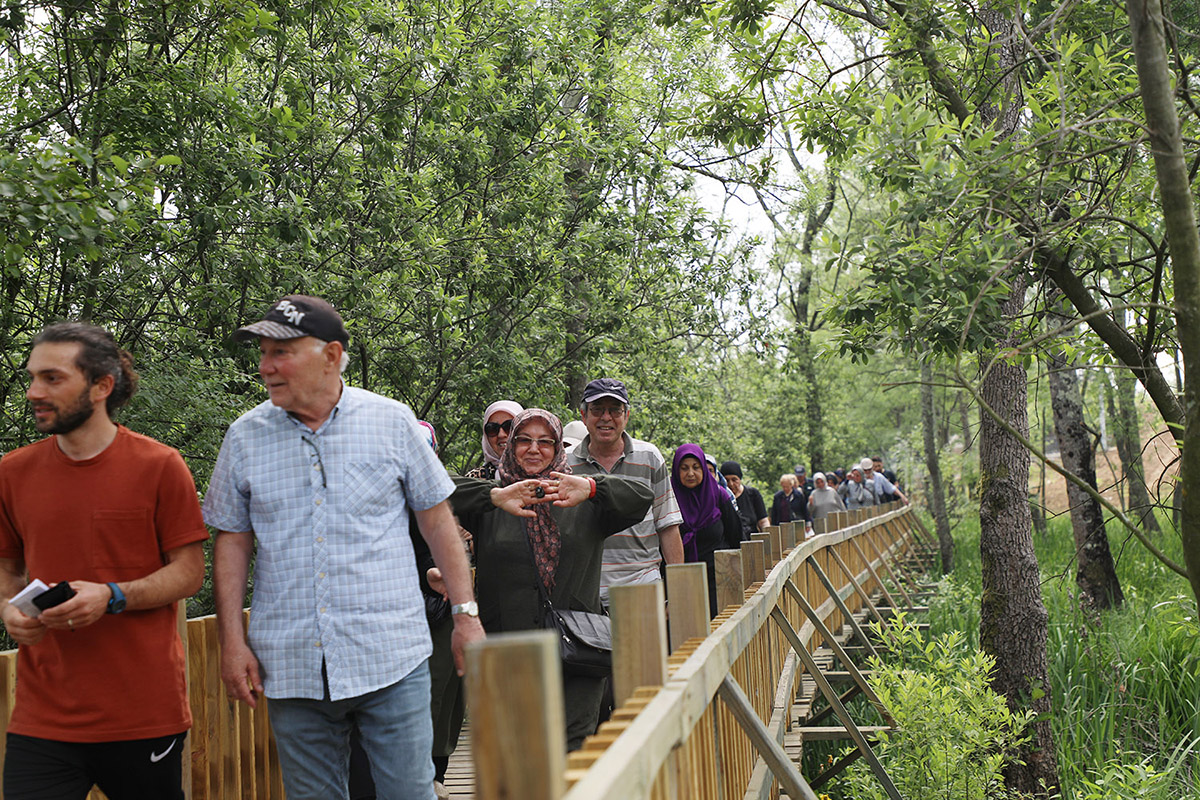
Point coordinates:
[(542, 590)]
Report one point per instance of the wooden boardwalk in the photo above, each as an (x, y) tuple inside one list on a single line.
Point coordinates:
[(460, 775)]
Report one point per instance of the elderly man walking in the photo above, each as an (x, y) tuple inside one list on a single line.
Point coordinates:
[(882, 490), (320, 479), (634, 555)]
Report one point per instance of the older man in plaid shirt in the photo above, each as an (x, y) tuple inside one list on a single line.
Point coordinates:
[(319, 480)]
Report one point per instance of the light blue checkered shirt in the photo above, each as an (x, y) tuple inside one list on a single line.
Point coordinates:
[(334, 575)]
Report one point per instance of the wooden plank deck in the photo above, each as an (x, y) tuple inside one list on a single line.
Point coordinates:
[(460, 775)]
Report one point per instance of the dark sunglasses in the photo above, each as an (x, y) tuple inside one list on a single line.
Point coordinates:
[(493, 428)]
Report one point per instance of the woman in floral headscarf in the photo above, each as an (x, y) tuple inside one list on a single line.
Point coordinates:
[(539, 524)]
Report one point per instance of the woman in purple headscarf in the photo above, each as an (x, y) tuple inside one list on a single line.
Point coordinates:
[(537, 524), (710, 520)]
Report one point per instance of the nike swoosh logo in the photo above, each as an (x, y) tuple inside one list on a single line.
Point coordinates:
[(157, 757)]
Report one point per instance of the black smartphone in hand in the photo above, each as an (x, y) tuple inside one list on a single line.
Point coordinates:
[(59, 593)]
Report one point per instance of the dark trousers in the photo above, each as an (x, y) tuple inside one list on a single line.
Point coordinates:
[(45, 769)]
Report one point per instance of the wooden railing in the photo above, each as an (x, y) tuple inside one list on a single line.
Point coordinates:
[(680, 729), (707, 721), (230, 753)]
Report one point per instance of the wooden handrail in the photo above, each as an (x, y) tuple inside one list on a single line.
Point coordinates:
[(675, 740), (680, 739), (229, 753)]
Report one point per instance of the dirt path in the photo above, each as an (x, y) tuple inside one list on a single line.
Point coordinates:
[(1158, 458)]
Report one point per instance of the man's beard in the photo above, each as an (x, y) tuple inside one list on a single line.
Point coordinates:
[(69, 418)]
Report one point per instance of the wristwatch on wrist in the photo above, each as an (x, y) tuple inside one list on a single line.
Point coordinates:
[(116, 603), (471, 608)]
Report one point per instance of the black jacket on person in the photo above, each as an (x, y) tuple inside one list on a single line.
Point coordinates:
[(751, 509)]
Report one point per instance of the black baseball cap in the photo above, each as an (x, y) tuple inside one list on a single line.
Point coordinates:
[(298, 315), (605, 387)]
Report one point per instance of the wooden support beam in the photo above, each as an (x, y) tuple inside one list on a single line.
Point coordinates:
[(788, 531), (687, 588), (831, 697), (835, 733), (863, 595), (781, 766), (886, 562), (514, 690), (871, 569), (768, 559), (754, 562), (639, 629), (837, 598), (838, 768), (832, 642), (731, 583)]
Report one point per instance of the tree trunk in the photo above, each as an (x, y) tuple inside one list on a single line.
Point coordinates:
[(1095, 573), (1162, 128), (937, 498), (1129, 447), (1013, 618)]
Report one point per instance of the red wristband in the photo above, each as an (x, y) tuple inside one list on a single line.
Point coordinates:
[(592, 493)]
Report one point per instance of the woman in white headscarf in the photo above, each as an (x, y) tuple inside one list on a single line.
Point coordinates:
[(823, 501), (497, 424)]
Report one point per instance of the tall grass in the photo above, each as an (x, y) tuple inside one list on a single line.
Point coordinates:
[(1125, 684)]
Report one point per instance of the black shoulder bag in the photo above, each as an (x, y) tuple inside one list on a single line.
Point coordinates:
[(584, 638)]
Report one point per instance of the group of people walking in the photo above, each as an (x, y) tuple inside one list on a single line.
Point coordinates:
[(867, 483), (332, 501)]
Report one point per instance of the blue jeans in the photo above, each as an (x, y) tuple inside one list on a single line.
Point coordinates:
[(313, 738)]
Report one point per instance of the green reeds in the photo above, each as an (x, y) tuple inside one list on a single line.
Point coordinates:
[(1125, 683)]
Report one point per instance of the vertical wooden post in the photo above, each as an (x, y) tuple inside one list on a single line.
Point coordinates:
[(754, 562), (821, 525), (639, 629), (687, 586), (768, 561), (263, 743), (224, 740), (518, 728), (197, 695), (776, 542), (8, 695), (788, 531), (731, 585), (181, 626)]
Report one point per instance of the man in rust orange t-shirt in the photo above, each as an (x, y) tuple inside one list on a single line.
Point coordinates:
[(101, 693)]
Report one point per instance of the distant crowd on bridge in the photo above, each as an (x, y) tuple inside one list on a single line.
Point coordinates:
[(360, 547)]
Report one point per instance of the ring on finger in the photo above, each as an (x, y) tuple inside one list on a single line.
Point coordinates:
[(70, 624)]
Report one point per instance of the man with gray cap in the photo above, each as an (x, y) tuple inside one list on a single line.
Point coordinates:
[(882, 490), (318, 482), (634, 555)]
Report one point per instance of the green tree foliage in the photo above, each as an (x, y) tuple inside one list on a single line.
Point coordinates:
[(953, 732), (171, 167)]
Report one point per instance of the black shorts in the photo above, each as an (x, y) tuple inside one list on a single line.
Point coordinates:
[(137, 769)]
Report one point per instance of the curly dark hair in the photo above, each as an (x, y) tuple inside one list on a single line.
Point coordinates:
[(98, 356)]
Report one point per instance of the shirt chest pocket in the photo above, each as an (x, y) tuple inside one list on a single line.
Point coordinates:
[(124, 539), (371, 488)]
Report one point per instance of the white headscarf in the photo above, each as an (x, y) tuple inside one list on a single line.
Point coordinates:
[(512, 407)]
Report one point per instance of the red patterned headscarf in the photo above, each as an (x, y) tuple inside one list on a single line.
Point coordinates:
[(542, 530)]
